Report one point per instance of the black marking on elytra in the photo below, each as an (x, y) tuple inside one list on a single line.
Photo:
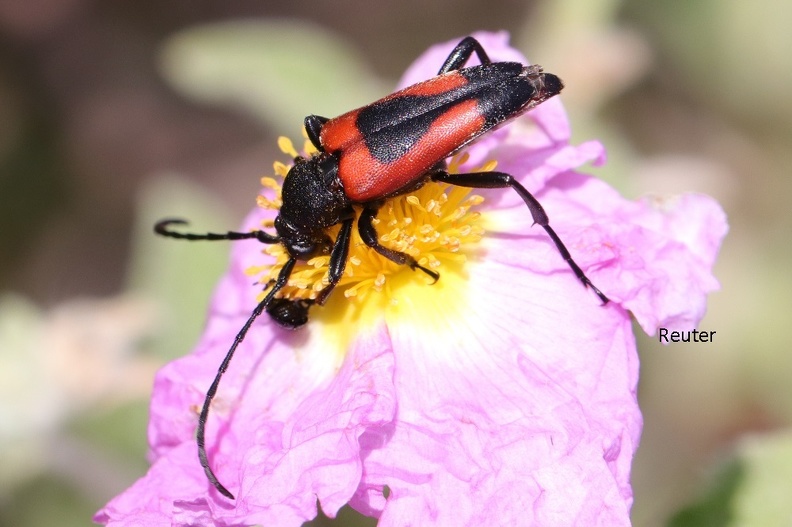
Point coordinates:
[(391, 127), (389, 140)]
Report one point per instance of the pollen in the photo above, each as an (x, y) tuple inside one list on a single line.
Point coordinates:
[(434, 224)]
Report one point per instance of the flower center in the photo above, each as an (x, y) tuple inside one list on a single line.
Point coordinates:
[(432, 224)]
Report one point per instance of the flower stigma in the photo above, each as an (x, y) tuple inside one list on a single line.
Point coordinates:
[(435, 224)]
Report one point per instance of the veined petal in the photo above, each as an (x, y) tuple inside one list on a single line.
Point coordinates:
[(319, 448), (289, 433), (653, 256), (497, 426)]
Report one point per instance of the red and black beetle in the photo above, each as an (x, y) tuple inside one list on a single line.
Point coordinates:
[(388, 148)]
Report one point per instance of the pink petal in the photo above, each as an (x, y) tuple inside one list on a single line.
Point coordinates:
[(289, 440), (655, 257), (502, 427)]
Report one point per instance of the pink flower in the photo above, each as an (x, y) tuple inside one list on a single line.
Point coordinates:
[(505, 394)]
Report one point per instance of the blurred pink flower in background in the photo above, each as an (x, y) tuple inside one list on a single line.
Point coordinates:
[(505, 394)]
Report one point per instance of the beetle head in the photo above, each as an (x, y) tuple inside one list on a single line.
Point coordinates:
[(313, 200)]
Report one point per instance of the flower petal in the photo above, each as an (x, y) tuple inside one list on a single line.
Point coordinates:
[(284, 441), (656, 255), (502, 427), (320, 454)]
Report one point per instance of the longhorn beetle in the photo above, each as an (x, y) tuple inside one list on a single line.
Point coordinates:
[(388, 148)]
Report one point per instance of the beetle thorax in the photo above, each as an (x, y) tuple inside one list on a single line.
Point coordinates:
[(313, 200)]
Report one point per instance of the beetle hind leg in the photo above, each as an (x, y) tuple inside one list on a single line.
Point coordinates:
[(369, 236), (503, 180)]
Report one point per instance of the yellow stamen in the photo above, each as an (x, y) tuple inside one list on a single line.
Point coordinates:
[(433, 224), (287, 147)]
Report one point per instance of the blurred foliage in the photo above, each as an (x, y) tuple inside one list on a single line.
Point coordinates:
[(27, 146), (750, 489), (46, 500), (731, 56), (714, 508), (94, 148), (176, 274), (77, 429), (270, 69)]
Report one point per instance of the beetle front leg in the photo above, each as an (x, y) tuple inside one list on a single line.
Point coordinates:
[(462, 52), (503, 180), (369, 236), (313, 127), (338, 260)]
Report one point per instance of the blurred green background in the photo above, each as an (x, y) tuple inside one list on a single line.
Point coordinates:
[(116, 113)]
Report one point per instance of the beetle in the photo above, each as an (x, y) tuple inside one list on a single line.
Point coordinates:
[(366, 156)]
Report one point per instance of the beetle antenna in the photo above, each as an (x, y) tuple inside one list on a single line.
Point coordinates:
[(283, 277), (162, 229)]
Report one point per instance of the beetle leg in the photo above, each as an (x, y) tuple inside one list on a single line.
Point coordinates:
[(369, 236), (338, 260), (283, 277), (503, 180), (462, 52), (313, 127), (161, 228)]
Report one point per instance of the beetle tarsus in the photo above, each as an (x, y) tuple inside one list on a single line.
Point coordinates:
[(369, 236), (434, 275)]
